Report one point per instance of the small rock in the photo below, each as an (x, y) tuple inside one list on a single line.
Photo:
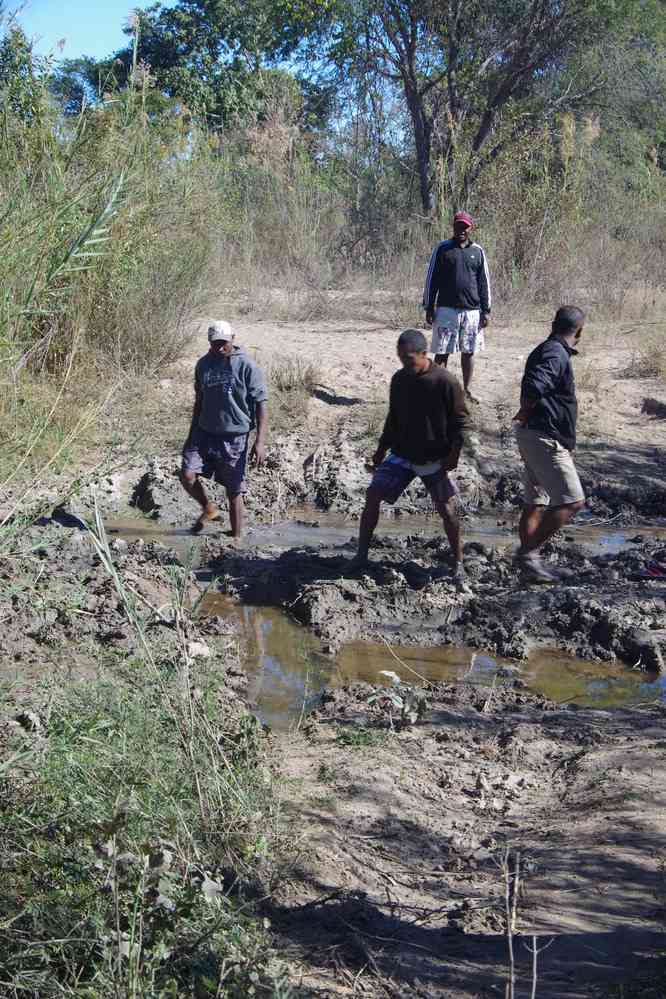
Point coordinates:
[(198, 650), (30, 721)]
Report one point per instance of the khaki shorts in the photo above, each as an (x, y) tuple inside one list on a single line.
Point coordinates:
[(550, 477)]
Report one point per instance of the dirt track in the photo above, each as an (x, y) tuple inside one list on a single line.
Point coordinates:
[(397, 883)]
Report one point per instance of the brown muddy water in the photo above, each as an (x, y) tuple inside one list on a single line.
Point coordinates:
[(308, 526), (288, 670)]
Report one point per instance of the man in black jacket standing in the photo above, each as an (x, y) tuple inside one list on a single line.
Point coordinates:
[(546, 436), (424, 432), (456, 298)]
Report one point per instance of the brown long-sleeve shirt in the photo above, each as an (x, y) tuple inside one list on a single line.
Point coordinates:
[(427, 415)]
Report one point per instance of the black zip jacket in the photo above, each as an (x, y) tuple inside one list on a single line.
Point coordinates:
[(549, 380), (427, 415), (457, 277)]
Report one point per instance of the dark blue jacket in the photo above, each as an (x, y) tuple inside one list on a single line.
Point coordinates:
[(457, 277), (549, 379)]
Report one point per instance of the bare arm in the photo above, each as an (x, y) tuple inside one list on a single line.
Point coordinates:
[(459, 423), (258, 452), (196, 412)]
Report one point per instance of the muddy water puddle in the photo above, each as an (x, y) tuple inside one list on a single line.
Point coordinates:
[(311, 527), (288, 671)]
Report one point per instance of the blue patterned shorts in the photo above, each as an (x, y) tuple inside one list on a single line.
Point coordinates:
[(219, 457), (394, 475)]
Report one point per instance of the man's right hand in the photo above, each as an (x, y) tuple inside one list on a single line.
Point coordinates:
[(429, 316), (376, 459)]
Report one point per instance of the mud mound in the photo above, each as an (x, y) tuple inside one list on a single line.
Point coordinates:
[(60, 608), (605, 610), (349, 703)]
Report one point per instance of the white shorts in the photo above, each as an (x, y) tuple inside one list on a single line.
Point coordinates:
[(457, 331)]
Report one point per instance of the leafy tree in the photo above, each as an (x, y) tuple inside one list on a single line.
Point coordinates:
[(21, 75), (474, 76), (211, 55)]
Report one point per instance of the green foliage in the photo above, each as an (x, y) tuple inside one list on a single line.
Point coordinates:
[(136, 812), (21, 75), (399, 700), (359, 737), (213, 57), (109, 221), (114, 878)]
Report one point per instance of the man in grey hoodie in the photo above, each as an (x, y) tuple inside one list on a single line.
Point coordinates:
[(229, 401)]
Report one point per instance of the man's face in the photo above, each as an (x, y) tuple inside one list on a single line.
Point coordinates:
[(221, 347), (413, 361), (577, 335), (461, 231)]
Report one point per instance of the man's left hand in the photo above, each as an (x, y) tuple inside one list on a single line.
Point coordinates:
[(258, 453), (451, 460), (484, 320)]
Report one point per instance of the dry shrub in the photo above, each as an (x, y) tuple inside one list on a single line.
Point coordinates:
[(649, 359), (291, 374), (291, 382), (590, 377)]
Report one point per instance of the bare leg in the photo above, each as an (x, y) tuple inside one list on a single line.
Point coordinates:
[(467, 365), (537, 525), (193, 486), (530, 520), (369, 519), (448, 513), (442, 359), (236, 511)]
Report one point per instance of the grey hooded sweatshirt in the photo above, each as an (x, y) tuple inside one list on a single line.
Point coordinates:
[(229, 389)]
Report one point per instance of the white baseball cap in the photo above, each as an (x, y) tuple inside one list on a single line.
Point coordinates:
[(220, 330)]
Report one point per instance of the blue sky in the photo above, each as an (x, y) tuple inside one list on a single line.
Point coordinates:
[(89, 27)]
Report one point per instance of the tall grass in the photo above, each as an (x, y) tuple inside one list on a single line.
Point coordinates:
[(131, 835)]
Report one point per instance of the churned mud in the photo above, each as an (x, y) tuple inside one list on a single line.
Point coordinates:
[(63, 617), (407, 595)]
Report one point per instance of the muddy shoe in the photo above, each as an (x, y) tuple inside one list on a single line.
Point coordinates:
[(471, 398), (207, 517), (359, 563), (564, 575), (532, 570)]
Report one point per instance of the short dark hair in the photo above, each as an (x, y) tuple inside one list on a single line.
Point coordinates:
[(413, 340), (568, 319)]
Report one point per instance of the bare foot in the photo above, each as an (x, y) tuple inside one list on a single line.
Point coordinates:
[(209, 515)]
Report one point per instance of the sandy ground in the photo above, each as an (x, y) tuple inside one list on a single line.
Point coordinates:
[(357, 360), (398, 887)]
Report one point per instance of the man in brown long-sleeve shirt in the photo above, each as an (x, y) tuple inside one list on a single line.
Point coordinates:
[(424, 432)]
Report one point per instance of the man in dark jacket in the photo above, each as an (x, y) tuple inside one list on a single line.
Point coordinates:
[(424, 432), (546, 436), (456, 298), (229, 401)]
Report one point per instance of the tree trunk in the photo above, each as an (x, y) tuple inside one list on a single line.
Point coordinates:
[(423, 145)]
